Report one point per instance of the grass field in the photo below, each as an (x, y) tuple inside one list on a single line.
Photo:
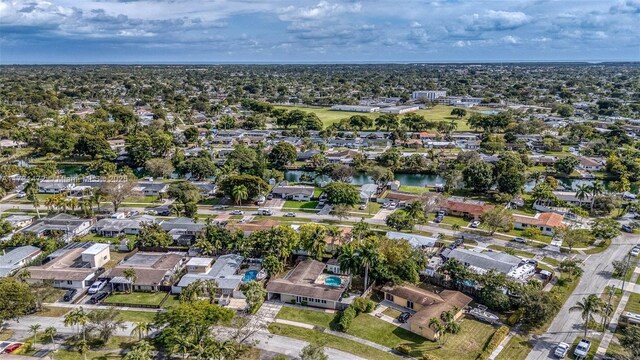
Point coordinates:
[(512, 251), (135, 316), (465, 346), (634, 303), (437, 113), (52, 311), (516, 349), (300, 205), (136, 298), (331, 341)]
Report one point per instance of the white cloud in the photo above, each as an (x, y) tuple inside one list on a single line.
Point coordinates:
[(509, 39), (497, 20)]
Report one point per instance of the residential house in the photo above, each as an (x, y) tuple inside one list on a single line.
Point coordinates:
[(426, 305), (117, 145), (18, 221), (306, 155), (418, 241), (75, 266), (54, 186), (11, 144), (207, 189), (250, 227), (480, 263), (368, 191), (570, 198), (298, 193), (15, 259), (307, 284), (547, 222), (69, 225), (224, 272), (154, 271), (468, 209), (111, 227), (183, 230), (590, 164), (151, 188), (344, 157)]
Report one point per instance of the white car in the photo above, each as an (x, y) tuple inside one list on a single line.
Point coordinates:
[(475, 224), (520, 240), (290, 214), (96, 287), (237, 212), (635, 251), (21, 194), (561, 350), (582, 349)]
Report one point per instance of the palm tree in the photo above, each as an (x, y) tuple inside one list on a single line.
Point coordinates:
[(596, 189), (73, 203), (83, 348), (141, 329), (24, 274), (51, 332), (438, 329), (50, 203), (589, 306), (96, 197), (140, 351), (368, 254), (130, 275), (348, 259), (34, 329), (240, 193), (31, 189), (583, 191)]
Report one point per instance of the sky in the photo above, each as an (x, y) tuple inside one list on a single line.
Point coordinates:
[(317, 31)]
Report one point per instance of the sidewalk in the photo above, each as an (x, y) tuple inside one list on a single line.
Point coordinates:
[(608, 335)]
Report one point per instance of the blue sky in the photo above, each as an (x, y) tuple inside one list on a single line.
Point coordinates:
[(108, 31)]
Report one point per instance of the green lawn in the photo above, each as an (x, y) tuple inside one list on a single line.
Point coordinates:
[(331, 341), (516, 349), (171, 300), (437, 113), (300, 205), (135, 316), (136, 298), (52, 311), (616, 350), (413, 189), (453, 220), (634, 303), (111, 350), (511, 251), (562, 290), (465, 346), (391, 312), (551, 261)]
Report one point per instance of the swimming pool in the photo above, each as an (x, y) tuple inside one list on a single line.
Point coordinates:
[(249, 275), (489, 112), (332, 281)]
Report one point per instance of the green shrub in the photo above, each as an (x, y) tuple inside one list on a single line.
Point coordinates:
[(403, 349), (514, 318), (493, 343), (362, 305), (346, 318)]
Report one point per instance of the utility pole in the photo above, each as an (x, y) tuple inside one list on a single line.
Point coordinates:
[(605, 319), (626, 268)]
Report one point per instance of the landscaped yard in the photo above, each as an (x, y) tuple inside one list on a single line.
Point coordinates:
[(300, 205), (135, 316), (331, 341), (136, 298), (453, 220), (52, 311), (465, 345), (111, 350), (413, 189), (391, 312), (511, 251), (634, 303), (516, 349)]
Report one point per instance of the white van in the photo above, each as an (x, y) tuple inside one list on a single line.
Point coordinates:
[(264, 212)]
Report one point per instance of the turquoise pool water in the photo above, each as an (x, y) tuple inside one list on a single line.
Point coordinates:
[(332, 281), (249, 275)]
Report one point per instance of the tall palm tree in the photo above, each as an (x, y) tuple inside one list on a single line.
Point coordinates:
[(51, 332), (34, 329), (368, 254), (96, 197), (348, 259), (130, 275), (73, 203), (583, 191), (240, 193), (141, 329), (50, 203), (31, 189), (589, 306), (83, 348), (596, 189)]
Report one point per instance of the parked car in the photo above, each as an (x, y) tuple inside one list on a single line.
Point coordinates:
[(627, 228), (393, 206), (96, 286), (404, 317), (635, 251), (21, 194), (385, 205), (290, 214), (441, 213), (475, 224), (11, 348), (237, 212), (70, 294), (362, 207), (98, 297), (270, 197), (561, 350), (3, 345), (520, 240), (438, 219), (582, 348)]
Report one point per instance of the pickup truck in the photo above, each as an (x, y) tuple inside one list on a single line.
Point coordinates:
[(561, 350), (582, 349)]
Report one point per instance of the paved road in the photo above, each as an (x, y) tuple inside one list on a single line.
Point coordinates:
[(597, 275)]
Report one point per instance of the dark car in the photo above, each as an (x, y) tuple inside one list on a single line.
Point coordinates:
[(270, 197), (404, 317), (70, 294), (98, 297), (627, 228), (438, 219)]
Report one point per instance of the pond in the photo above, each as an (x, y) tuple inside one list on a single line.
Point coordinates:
[(362, 178)]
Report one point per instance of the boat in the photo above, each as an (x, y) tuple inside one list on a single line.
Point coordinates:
[(480, 312), (261, 274)]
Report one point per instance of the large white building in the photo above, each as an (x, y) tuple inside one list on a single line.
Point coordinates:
[(428, 94), (355, 108), (399, 109)]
